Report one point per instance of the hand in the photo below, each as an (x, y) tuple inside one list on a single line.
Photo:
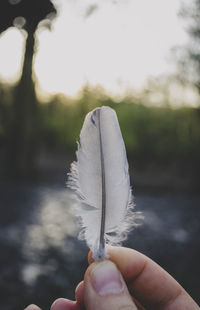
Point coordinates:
[(136, 283)]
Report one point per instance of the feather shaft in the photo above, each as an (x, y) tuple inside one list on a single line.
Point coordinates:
[(103, 207)]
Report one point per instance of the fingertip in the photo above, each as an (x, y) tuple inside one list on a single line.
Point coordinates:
[(79, 293), (32, 307), (63, 304), (90, 257)]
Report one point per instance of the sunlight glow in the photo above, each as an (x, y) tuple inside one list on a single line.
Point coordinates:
[(119, 46), (11, 54)]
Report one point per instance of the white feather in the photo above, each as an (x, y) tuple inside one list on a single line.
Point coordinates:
[(100, 179)]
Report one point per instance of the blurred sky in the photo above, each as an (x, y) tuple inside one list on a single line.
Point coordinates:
[(118, 46)]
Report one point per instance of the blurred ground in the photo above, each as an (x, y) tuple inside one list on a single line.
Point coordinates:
[(41, 258)]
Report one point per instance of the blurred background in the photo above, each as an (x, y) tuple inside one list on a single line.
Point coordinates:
[(58, 60)]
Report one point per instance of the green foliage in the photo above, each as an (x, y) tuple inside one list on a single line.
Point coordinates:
[(60, 124), (161, 136)]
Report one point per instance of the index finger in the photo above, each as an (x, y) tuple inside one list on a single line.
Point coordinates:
[(151, 285)]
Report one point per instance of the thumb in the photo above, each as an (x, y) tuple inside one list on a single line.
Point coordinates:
[(105, 289)]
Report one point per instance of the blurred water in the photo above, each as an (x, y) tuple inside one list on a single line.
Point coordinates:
[(41, 258)]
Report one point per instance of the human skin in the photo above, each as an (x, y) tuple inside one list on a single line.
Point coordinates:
[(129, 280)]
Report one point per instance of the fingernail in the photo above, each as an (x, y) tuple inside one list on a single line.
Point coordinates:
[(105, 278)]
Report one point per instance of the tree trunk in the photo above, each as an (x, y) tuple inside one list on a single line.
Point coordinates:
[(22, 141)]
